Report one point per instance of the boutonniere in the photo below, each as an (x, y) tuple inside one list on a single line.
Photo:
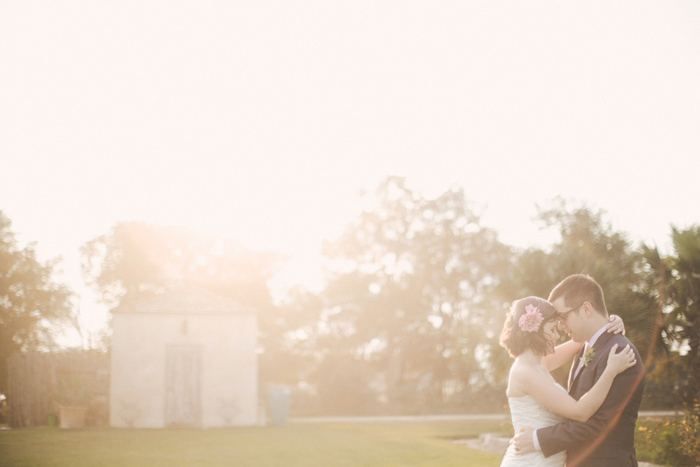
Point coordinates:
[(587, 356)]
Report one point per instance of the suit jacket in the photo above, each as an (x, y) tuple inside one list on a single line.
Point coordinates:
[(607, 438)]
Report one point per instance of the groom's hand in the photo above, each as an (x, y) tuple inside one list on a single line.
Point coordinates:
[(523, 441)]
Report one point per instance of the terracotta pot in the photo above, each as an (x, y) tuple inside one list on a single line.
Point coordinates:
[(71, 416)]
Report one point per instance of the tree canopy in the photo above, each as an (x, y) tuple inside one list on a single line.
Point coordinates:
[(678, 289), (418, 289), (409, 292), (31, 303), (416, 292), (588, 244)]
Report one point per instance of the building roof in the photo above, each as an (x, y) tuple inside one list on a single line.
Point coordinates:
[(185, 301)]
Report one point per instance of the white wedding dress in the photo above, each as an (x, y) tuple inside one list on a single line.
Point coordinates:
[(526, 412)]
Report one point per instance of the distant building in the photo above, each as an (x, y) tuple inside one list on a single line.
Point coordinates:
[(185, 358)]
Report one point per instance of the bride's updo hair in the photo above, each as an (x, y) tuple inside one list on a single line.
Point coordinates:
[(521, 332)]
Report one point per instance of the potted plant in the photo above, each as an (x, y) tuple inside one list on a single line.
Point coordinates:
[(73, 400)]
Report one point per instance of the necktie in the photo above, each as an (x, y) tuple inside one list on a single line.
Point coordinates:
[(580, 365)]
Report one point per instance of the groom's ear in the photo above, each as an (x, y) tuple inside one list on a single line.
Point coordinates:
[(587, 309)]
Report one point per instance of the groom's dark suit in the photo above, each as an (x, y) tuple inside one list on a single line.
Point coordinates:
[(607, 438)]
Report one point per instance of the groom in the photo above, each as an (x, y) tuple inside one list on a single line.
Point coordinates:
[(607, 438)]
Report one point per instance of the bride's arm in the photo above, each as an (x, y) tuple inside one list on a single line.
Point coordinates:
[(563, 353), (553, 398)]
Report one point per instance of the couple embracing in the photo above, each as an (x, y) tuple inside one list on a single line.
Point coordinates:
[(591, 423)]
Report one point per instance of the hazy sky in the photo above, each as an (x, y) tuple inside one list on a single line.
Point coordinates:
[(262, 120)]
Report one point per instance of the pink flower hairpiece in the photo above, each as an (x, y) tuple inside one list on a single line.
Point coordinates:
[(531, 320)]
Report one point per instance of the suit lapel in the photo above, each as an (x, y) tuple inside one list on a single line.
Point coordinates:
[(600, 346), (598, 353)]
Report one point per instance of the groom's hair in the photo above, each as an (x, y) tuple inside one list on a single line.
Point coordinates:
[(579, 288)]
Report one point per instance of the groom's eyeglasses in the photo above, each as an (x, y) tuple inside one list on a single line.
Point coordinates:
[(562, 315)]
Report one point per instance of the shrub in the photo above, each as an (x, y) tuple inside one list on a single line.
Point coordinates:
[(689, 431), (659, 443)]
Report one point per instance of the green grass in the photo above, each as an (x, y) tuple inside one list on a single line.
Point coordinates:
[(300, 444)]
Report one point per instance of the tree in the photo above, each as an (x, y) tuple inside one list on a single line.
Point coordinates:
[(136, 259), (678, 286), (410, 291), (31, 303), (588, 244)]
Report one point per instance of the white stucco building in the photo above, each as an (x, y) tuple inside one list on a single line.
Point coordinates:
[(184, 358)]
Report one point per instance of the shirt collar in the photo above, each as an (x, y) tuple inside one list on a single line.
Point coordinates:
[(595, 337)]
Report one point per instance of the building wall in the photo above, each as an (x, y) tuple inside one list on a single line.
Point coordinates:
[(228, 390)]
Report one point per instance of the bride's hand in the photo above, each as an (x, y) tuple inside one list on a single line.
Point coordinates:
[(615, 325), (619, 362)]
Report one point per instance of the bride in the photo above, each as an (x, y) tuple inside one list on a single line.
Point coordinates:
[(535, 399)]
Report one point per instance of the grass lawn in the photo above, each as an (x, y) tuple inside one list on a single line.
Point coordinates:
[(298, 444)]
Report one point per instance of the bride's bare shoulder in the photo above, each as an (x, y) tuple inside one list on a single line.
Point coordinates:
[(520, 378), (517, 377)]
